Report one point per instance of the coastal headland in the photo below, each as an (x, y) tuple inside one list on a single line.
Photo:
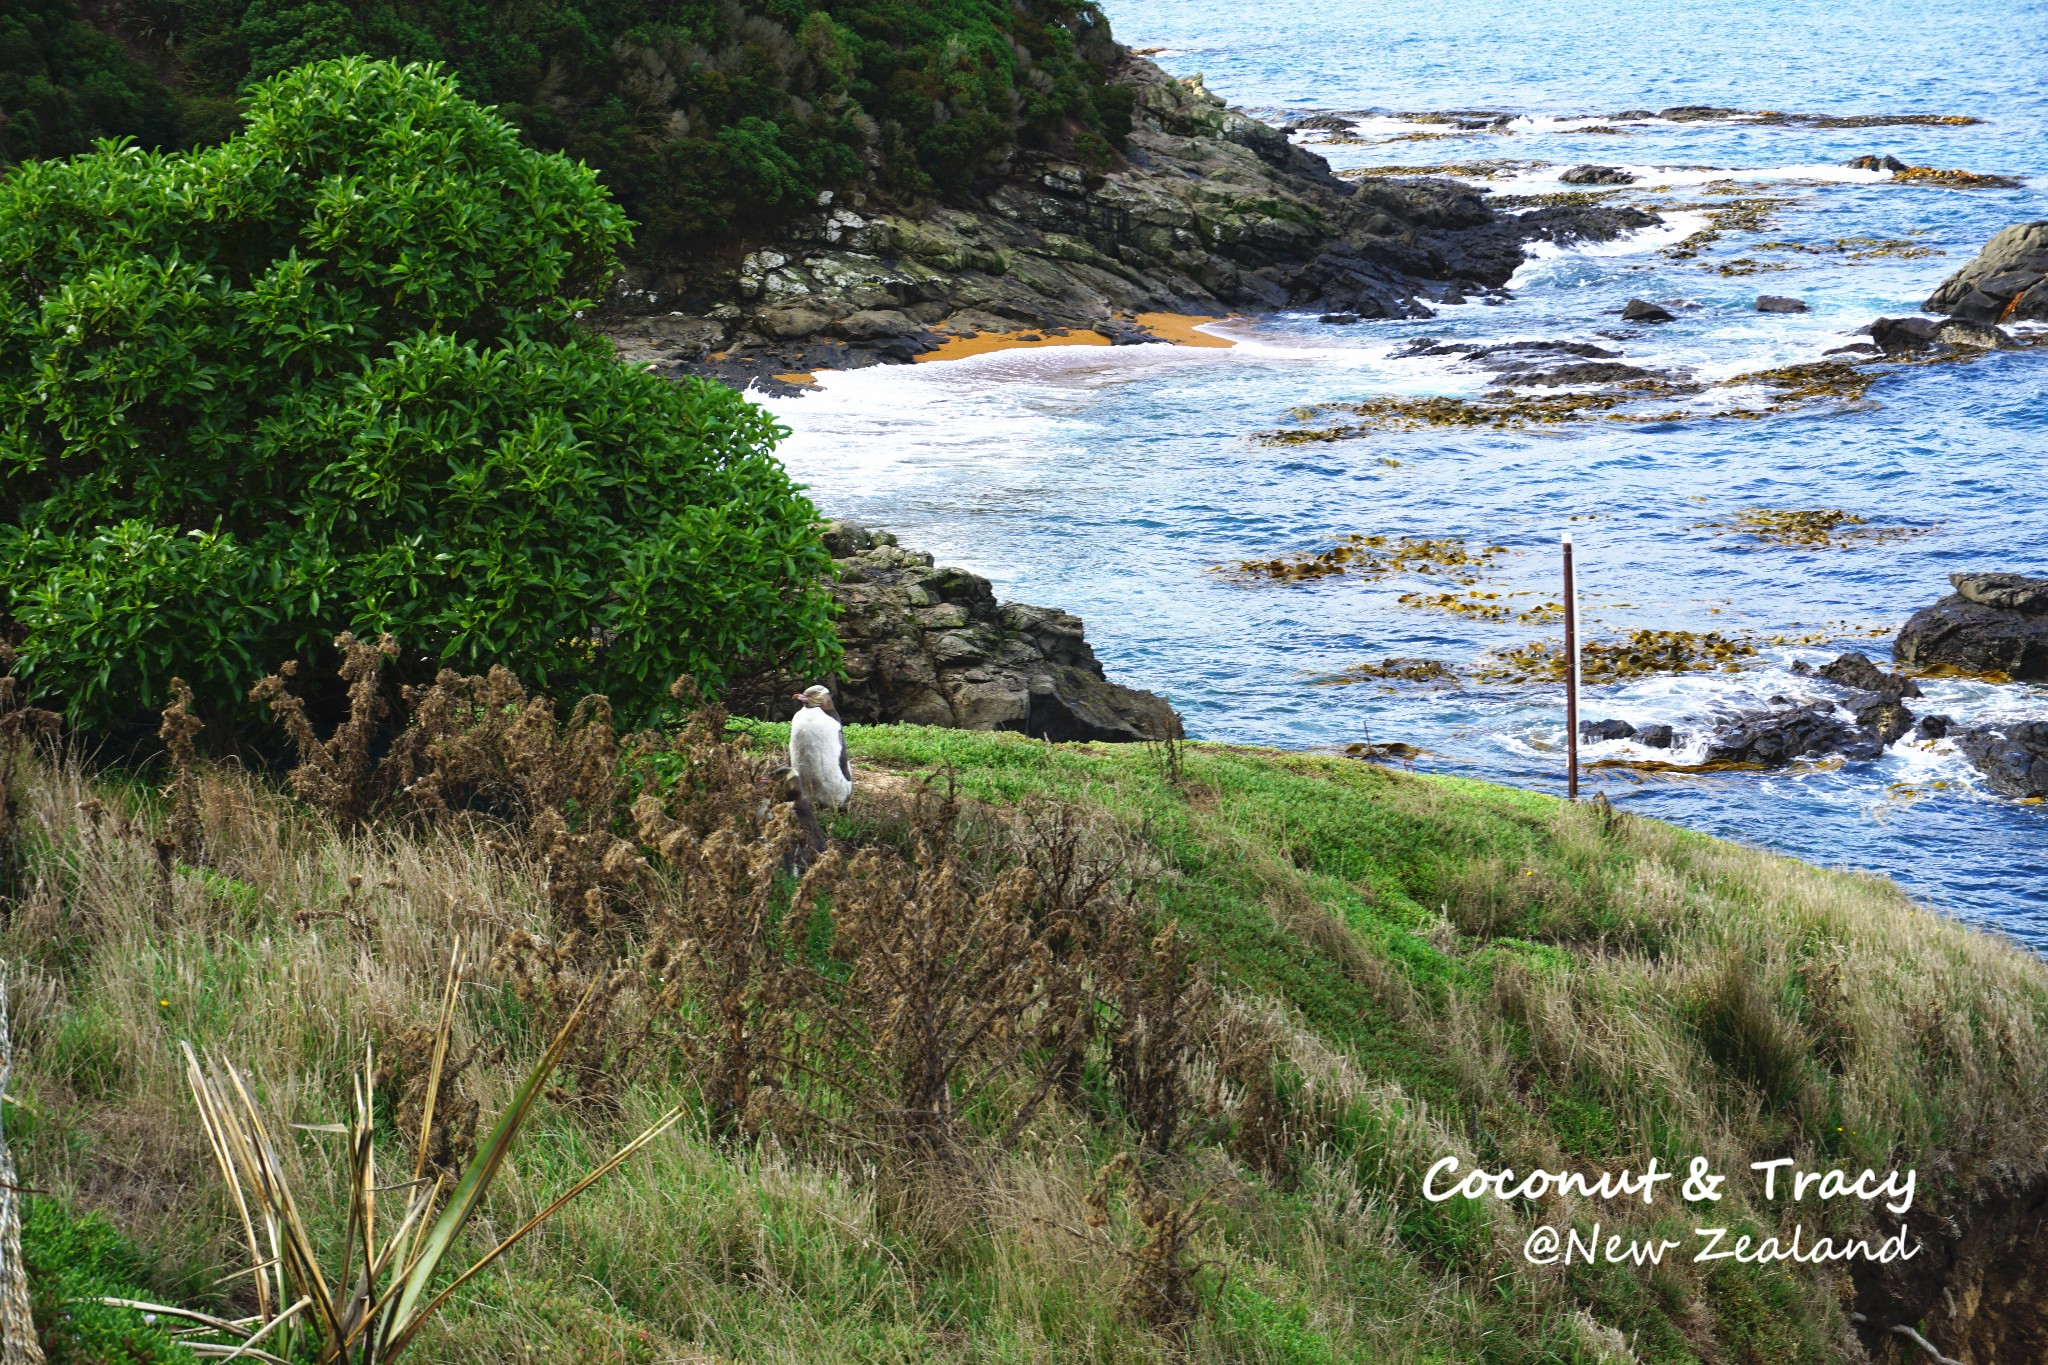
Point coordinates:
[(417, 942), (1203, 212)]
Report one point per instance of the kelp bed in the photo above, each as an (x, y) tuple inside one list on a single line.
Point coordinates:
[(1792, 387), (1821, 527), (1371, 556)]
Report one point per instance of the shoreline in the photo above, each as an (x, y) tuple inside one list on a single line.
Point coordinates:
[(1173, 329)]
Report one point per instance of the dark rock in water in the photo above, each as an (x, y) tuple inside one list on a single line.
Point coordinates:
[(1773, 739), (1339, 319), (1585, 372), (1778, 303), (1598, 175), (1934, 727), (2008, 280), (1975, 335), (1452, 295), (1697, 113), (1598, 731), (929, 645), (1324, 123), (1854, 670), (1642, 310), (1875, 163), (1904, 336), (1536, 362), (1884, 716), (1656, 736), (1991, 623), (2013, 756), (1506, 355)]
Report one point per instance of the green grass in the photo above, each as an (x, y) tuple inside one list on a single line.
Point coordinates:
[(1440, 967), (72, 1263)]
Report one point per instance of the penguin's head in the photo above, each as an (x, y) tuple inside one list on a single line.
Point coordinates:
[(817, 695)]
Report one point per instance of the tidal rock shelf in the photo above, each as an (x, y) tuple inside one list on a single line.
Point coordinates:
[(930, 645)]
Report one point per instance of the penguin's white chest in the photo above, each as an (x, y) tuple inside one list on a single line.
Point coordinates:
[(815, 746)]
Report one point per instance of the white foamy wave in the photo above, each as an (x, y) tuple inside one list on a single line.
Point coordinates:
[(1675, 228)]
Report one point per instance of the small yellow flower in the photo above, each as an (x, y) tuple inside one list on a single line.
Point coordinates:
[(165, 1003)]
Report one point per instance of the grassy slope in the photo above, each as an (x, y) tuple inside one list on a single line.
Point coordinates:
[(1442, 966)]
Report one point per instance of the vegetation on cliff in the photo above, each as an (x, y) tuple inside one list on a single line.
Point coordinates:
[(326, 375), (957, 1090), (704, 117)]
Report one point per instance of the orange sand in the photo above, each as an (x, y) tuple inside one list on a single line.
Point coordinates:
[(959, 348), (1178, 328), (804, 377)]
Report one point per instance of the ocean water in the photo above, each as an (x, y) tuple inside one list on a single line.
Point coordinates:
[(1112, 482)]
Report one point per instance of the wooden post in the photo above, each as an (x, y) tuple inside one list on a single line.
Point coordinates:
[(19, 1344), (1571, 674)]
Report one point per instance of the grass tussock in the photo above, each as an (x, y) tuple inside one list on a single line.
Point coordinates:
[(1052, 1052)]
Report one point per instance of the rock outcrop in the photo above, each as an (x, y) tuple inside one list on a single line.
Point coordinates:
[(2008, 280), (1205, 211), (1854, 670), (930, 645), (1991, 623), (1598, 175), (2013, 757), (1539, 364), (1910, 336), (1772, 739)]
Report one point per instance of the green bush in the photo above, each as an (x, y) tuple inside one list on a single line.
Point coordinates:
[(327, 376), (707, 118), (74, 1262)]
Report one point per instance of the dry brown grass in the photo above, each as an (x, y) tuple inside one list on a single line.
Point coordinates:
[(1655, 981)]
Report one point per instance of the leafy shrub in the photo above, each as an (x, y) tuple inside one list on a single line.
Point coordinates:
[(74, 1262), (64, 83), (706, 117), (327, 376)]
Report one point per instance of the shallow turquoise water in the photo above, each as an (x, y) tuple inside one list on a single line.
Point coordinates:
[(1109, 482)]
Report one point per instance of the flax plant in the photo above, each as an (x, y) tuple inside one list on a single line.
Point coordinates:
[(382, 1292)]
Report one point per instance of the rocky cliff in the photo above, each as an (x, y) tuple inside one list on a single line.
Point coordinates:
[(930, 645), (1204, 211)]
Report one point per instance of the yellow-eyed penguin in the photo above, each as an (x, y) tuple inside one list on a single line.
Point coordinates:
[(817, 750)]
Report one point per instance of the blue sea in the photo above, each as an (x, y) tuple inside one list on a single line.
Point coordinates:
[(1112, 482)]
